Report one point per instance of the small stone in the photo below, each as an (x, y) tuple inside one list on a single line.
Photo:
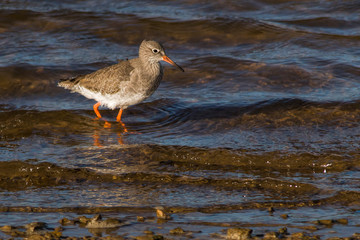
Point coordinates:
[(284, 216), (53, 235), (83, 219), (271, 210), (310, 228), (238, 233), (38, 237), (57, 232), (216, 236), (356, 235), (271, 235), (140, 219), (34, 226), (158, 237), (146, 237), (66, 221), (177, 230), (342, 221), (327, 222), (303, 235), (97, 222), (299, 235), (7, 228), (283, 231), (58, 229), (17, 233), (161, 214), (150, 237), (148, 232)]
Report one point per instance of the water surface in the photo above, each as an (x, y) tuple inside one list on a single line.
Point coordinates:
[(266, 114)]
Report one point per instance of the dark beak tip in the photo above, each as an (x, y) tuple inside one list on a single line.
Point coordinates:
[(167, 59)]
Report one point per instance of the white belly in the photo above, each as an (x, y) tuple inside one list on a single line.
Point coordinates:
[(121, 99)]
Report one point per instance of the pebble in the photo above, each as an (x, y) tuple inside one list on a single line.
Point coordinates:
[(303, 235), (327, 222), (271, 210), (34, 226), (150, 237), (271, 235), (283, 231), (148, 232), (66, 221), (158, 237), (140, 219), (83, 219), (356, 235), (238, 233), (177, 231), (310, 228), (161, 213), (97, 222), (7, 228), (342, 221)]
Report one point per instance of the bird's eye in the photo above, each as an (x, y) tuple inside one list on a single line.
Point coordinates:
[(155, 50)]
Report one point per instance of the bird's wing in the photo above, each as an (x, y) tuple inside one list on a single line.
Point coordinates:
[(105, 80)]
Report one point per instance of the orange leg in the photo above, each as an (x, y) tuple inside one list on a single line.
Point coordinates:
[(96, 110), (118, 118)]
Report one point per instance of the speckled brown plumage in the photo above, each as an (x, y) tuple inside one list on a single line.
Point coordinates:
[(105, 80), (125, 83)]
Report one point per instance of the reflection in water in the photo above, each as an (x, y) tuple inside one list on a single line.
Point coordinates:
[(107, 126)]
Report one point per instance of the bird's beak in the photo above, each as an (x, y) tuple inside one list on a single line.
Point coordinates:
[(166, 59)]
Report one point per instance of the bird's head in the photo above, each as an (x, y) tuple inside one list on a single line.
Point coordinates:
[(154, 52)]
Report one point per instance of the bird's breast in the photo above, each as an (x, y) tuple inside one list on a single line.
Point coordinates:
[(148, 79)]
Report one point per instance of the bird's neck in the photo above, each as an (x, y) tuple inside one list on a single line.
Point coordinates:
[(152, 68)]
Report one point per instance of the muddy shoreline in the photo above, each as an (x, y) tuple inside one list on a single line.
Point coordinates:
[(158, 223)]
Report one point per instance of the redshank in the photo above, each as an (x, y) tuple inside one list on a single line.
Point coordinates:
[(125, 83)]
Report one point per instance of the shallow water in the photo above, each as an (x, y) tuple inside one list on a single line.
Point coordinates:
[(266, 114)]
